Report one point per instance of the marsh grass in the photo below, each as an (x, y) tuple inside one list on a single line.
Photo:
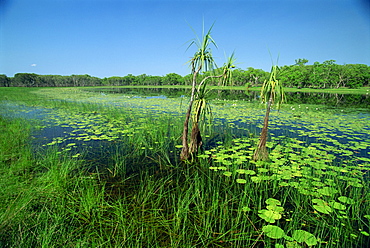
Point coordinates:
[(56, 199), (57, 203)]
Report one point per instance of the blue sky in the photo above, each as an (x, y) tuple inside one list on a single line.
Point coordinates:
[(106, 38)]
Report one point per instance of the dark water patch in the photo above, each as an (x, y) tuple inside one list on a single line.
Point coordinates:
[(12, 110)]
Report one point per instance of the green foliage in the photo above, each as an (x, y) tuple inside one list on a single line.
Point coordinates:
[(202, 61), (304, 236), (272, 212), (273, 232), (272, 89), (325, 75)]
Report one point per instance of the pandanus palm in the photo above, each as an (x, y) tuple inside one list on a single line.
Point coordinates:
[(271, 93), (202, 61)]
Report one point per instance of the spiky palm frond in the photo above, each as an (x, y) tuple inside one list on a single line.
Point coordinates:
[(226, 79), (202, 60), (272, 90)]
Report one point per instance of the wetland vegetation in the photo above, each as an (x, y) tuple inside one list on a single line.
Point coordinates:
[(92, 167)]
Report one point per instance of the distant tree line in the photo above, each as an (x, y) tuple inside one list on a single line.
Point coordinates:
[(324, 75), (300, 75)]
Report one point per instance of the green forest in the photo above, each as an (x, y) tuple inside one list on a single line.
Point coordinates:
[(323, 75)]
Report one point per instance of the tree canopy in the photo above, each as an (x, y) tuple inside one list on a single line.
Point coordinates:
[(327, 74)]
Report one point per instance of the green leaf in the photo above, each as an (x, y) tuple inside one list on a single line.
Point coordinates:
[(227, 173), (273, 232), (269, 215), (272, 201), (275, 208), (292, 245), (243, 171), (304, 236), (345, 199), (337, 205), (328, 191), (246, 209), (322, 206), (242, 181)]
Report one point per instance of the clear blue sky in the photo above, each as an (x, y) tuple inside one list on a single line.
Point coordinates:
[(106, 38)]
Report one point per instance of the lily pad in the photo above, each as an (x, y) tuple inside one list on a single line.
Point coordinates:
[(304, 236), (269, 215), (273, 232), (241, 181)]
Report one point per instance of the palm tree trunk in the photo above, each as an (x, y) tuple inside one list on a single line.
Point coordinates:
[(261, 152), (184, 155), (195, 137)]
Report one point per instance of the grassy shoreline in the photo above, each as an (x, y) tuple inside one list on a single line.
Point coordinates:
[(361, 91), (54, 199)]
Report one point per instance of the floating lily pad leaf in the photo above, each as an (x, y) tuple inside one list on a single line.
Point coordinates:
[(269, 215), (222, 168), (246, 209), (273, 232), (272, 201), (337, 205), (250, 172), (283, 184), (328, 191), (203, 156), (279, 246), (367, 216), (355, 184), (262, 170), (242, 181), (304, 236), (292, 245), (275, 208), (227, 173), (322, 206), (365, 233), (288, 238), (345, 199), (226, 162), (294, 184)]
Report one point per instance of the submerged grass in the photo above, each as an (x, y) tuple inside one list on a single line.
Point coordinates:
[(52, 201), (304, 197)]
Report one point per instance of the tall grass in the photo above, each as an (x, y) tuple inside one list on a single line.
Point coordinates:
[(52, 199)]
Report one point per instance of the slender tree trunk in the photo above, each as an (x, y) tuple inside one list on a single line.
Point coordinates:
[(261, 152), (196, 137), (184, 155)]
